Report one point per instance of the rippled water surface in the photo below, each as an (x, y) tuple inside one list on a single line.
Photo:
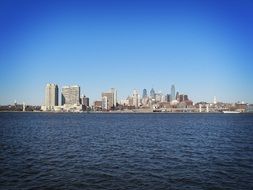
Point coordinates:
[(126, 151)]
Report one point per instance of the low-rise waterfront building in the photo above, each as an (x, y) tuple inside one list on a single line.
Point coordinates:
[(97, 105)]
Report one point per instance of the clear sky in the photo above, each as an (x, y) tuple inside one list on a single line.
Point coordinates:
[(205, 48)]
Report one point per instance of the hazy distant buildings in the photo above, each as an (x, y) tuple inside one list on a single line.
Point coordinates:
[(152, 93), (124, 102), (186, 98), (214, 100), (158, 97), (164, 98), (144, 93), (51, 97), (168, 97), (130, 101), (249, 108), (181, 98), (135, 99), (145, 102), (71, 95), (177, 96), (145, 99), (173, 93)]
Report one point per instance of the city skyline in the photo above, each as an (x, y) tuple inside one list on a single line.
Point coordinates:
[(156, 101), (204, 48), (71, 95), (85, 93)]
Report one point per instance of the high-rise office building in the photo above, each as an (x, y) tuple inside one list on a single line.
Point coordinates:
[(168, 97), (111, 98), (173, 93), (51, 96), (85, 101), (144, 93), (114, 91), (177, 96), (104, 103), (71, 95), (152, 93), (135, 99)]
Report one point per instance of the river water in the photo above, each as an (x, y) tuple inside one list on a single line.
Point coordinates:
[(126, 151)]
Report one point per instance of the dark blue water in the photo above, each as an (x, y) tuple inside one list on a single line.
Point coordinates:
[(126, 151)]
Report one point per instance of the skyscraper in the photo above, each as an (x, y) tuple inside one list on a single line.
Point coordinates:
[(152, 93), (173, 93), (135, 99), (144, 93), (71, 95), (177, 96), (51, 96), (114, 91), (111, 98), (168, 97), (104, 103), (85, 101)]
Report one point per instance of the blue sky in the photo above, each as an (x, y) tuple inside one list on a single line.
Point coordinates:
[(205, 48)]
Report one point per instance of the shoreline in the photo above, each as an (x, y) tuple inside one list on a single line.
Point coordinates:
[(122, 112)]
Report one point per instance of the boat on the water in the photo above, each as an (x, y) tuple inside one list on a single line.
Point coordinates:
[(231, 112)]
